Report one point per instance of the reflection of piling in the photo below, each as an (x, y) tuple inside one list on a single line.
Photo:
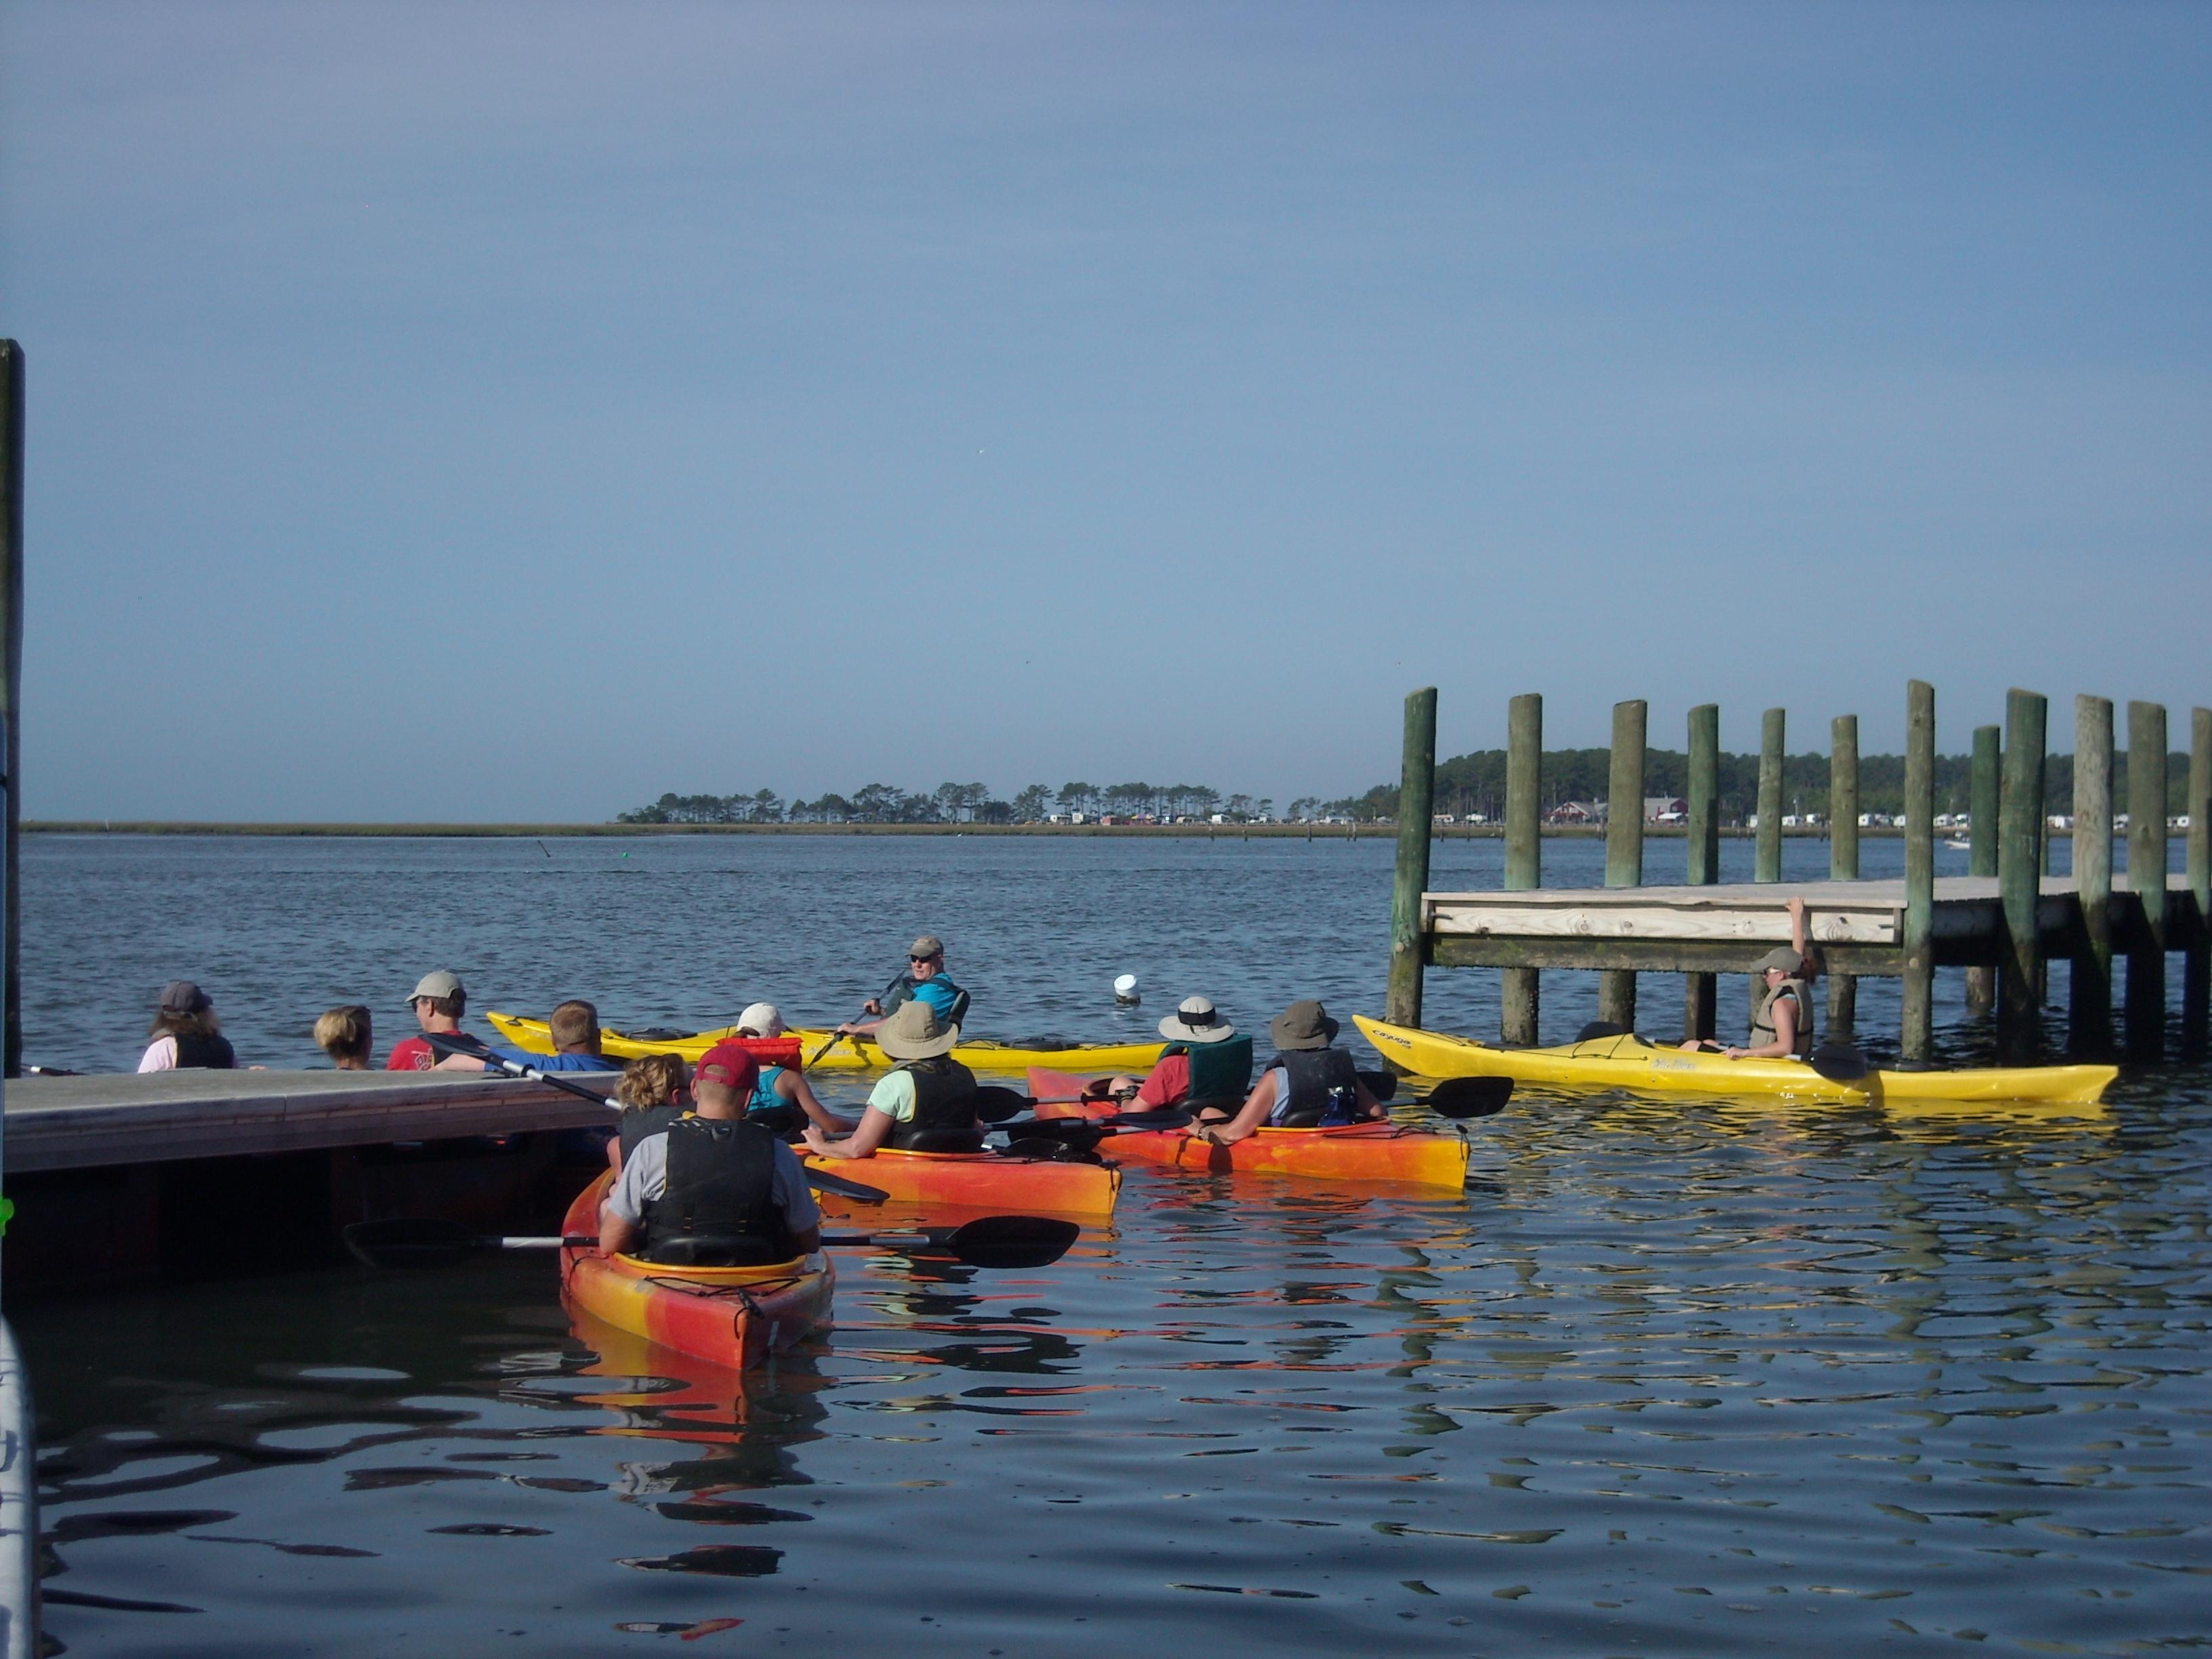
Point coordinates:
[(1416, 798), (1520, 997), (1916, 1045), (1983, 795), (1705, 852), (11, 698), (1623, 846), (1842, 850), (2145, 992), (2197, 959), (2089, 993), (2019, 876)]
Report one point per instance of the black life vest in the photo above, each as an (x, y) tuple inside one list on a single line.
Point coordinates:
[(1324, 1089), (1220, 1072), (943, 1109), (211, 1051), (718, 1207), (637, 1122)]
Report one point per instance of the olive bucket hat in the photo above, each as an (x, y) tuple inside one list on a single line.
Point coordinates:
[(1303, 1025)]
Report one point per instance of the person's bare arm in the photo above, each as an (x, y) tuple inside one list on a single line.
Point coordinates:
[(460, 1063), (1249, 1116), (1798, 933), (616, 1235), (862, 1143), (1785, 1010), (808, 1240), (794, 1087)]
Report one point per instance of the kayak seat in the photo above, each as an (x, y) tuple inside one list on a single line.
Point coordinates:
[(1598, 1030), (1046, 1150), (938, 1140), (718, 1250), (653, 1034)]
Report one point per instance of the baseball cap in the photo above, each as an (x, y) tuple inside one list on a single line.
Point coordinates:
[(443, 983), (1783, 957), (928, 947), (181, 996), (765, 1017), (731, 1064)]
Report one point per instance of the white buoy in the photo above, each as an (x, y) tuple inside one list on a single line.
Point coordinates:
[(1125, 991)]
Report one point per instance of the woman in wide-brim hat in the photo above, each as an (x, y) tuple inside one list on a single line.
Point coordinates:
[(1308, 1085), (1205, 1060), (927, 1102)]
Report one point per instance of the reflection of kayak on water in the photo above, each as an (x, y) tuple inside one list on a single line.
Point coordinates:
[(1627, 1061), (851, 1053)]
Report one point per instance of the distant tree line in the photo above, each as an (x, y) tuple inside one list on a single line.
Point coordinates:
[(974, 803)]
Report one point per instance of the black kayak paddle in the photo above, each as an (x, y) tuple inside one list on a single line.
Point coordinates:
[(991, 1240)]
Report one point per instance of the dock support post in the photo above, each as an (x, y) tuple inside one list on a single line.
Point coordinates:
[(1519, 994), (2196, 961), (11, 701), (2019, 876), (2146, 996), (1982, 797), (1623, 845), (1704, 853), (1916, 1043), (1417, 785), (1842, 850), (2089, 995), (1768, 859)]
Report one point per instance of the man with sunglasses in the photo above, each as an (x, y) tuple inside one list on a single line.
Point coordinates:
[(924, 981)]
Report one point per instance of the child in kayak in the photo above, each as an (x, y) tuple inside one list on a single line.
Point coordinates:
[(782, 1099), (1308, 1085)]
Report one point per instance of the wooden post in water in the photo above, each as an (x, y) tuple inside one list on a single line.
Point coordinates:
[(2019, 876), (1417, 784), (2089, 999), (1916, 1044), (1519, 994), (2196, 961), (1983, 796), (2146, 996), (1767, 863), (1705, 852), (1842, 850), (1623, 845), (11, 701)]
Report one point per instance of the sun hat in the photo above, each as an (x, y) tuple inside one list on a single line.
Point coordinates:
[(1783, 957), (914, 1032), (764, 1018), (181, 996), (927, 948), (728, 1063), (1303, 1025), (1195, 1020), (443, 983)]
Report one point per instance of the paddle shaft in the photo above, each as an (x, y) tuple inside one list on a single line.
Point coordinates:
[(836, 1037)]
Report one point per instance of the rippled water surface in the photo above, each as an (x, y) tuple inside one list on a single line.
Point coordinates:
[(1694, 1378)]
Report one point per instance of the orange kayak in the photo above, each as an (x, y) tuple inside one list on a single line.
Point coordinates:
[(983, 1181), (1359, 1151), (734, 1317)]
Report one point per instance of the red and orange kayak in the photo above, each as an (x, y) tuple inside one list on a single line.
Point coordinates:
[(984, 1181), (731, 1317)]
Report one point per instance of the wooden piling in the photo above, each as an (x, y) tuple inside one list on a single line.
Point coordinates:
[(1842, 850), (1698, 997), (2019, 876), (2089, 998), (1916, 1044), (1519, 996), (1767, 863), (2196, 960), (1416, 783), (11, 701), (1623, 845), (1983, 796), (2146, 994)]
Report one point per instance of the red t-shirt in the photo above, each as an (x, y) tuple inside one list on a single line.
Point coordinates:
[(1169, 1083), (415, 1054)]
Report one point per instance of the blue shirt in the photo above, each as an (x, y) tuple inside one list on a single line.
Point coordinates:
[(938, 990), (560, 1062)]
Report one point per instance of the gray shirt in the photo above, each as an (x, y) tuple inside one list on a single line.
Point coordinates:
[(645, 1177)]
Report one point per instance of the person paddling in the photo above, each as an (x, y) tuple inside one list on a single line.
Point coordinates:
[(783, 1101), (711, 1189), (925, 981), (1308, 1085), (1205, 1063), (925, 1104)]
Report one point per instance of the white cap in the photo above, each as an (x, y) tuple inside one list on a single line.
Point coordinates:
[(764, 1018)]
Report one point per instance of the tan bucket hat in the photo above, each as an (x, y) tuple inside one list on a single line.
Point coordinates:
[(1303, 1025), (914, 1032), (1196, 1020)]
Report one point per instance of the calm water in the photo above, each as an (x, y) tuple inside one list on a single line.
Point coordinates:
[(1699, 1377)]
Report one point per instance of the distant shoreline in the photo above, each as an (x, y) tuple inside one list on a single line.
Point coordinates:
[(1184, 831)]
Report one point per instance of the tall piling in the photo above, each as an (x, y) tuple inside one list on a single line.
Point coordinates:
[(1842, 850), (1623, 845), (11, 701), (2019, 876), (2146, 994), (1416, 787), (1767, 861), (2196, 960), (2089, 994), (1983, 795), (1704, 842), (1520, 994), (1916, 1043)]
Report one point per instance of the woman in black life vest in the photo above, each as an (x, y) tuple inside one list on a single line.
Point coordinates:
[(186, 1033), (1308, 1085)]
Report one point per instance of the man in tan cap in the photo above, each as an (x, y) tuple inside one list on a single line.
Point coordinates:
[(439, 1000), (924, 981), (927, 1104)]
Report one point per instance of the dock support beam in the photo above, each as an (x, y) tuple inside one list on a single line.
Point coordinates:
[(1916, 1044), (1842, 850), (2196, 960), (1417, 785), (1704, 853), (2089, 994), (2019, 877), (11, 701), (1623, 845), (1983, 798), (1768, 859), (2146, 998), (1519, 994)]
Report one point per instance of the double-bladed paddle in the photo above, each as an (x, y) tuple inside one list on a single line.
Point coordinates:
[(991, 1240), (836, 1037), (451, 1042)]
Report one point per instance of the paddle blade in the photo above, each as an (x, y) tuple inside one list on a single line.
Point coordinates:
[(822, 1182), (1382, 1084), (409, 1241), (995, 1103), (1464, 1097), (1840, 1062), (1011, 1241)]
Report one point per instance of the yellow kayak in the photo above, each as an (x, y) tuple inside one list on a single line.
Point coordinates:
[(1634, 1062), (852, 1054)]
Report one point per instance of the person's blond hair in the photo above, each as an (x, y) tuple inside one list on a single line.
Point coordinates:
[(574, 1024), (342, 1033), (652, 1080)]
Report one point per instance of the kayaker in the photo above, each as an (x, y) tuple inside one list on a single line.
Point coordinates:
[(186, 1034), (711, 1189), (924, 981), (925, 1104), (439, 1000), (653, 1093), (575, 1027), (1782, 1005), (782, 1100), (343, 1035), (1308, 1085), (1205, 1063)]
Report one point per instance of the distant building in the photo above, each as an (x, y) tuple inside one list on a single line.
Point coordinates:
[(1665, 809), (1577, 812)]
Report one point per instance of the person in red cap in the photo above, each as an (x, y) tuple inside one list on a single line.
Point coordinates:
[(711, 1189)]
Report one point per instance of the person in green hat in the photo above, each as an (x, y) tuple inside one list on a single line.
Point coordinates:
[(926, 1103), (1308, 1085)]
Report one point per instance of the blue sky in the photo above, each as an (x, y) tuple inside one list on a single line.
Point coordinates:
[(494, 411)]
